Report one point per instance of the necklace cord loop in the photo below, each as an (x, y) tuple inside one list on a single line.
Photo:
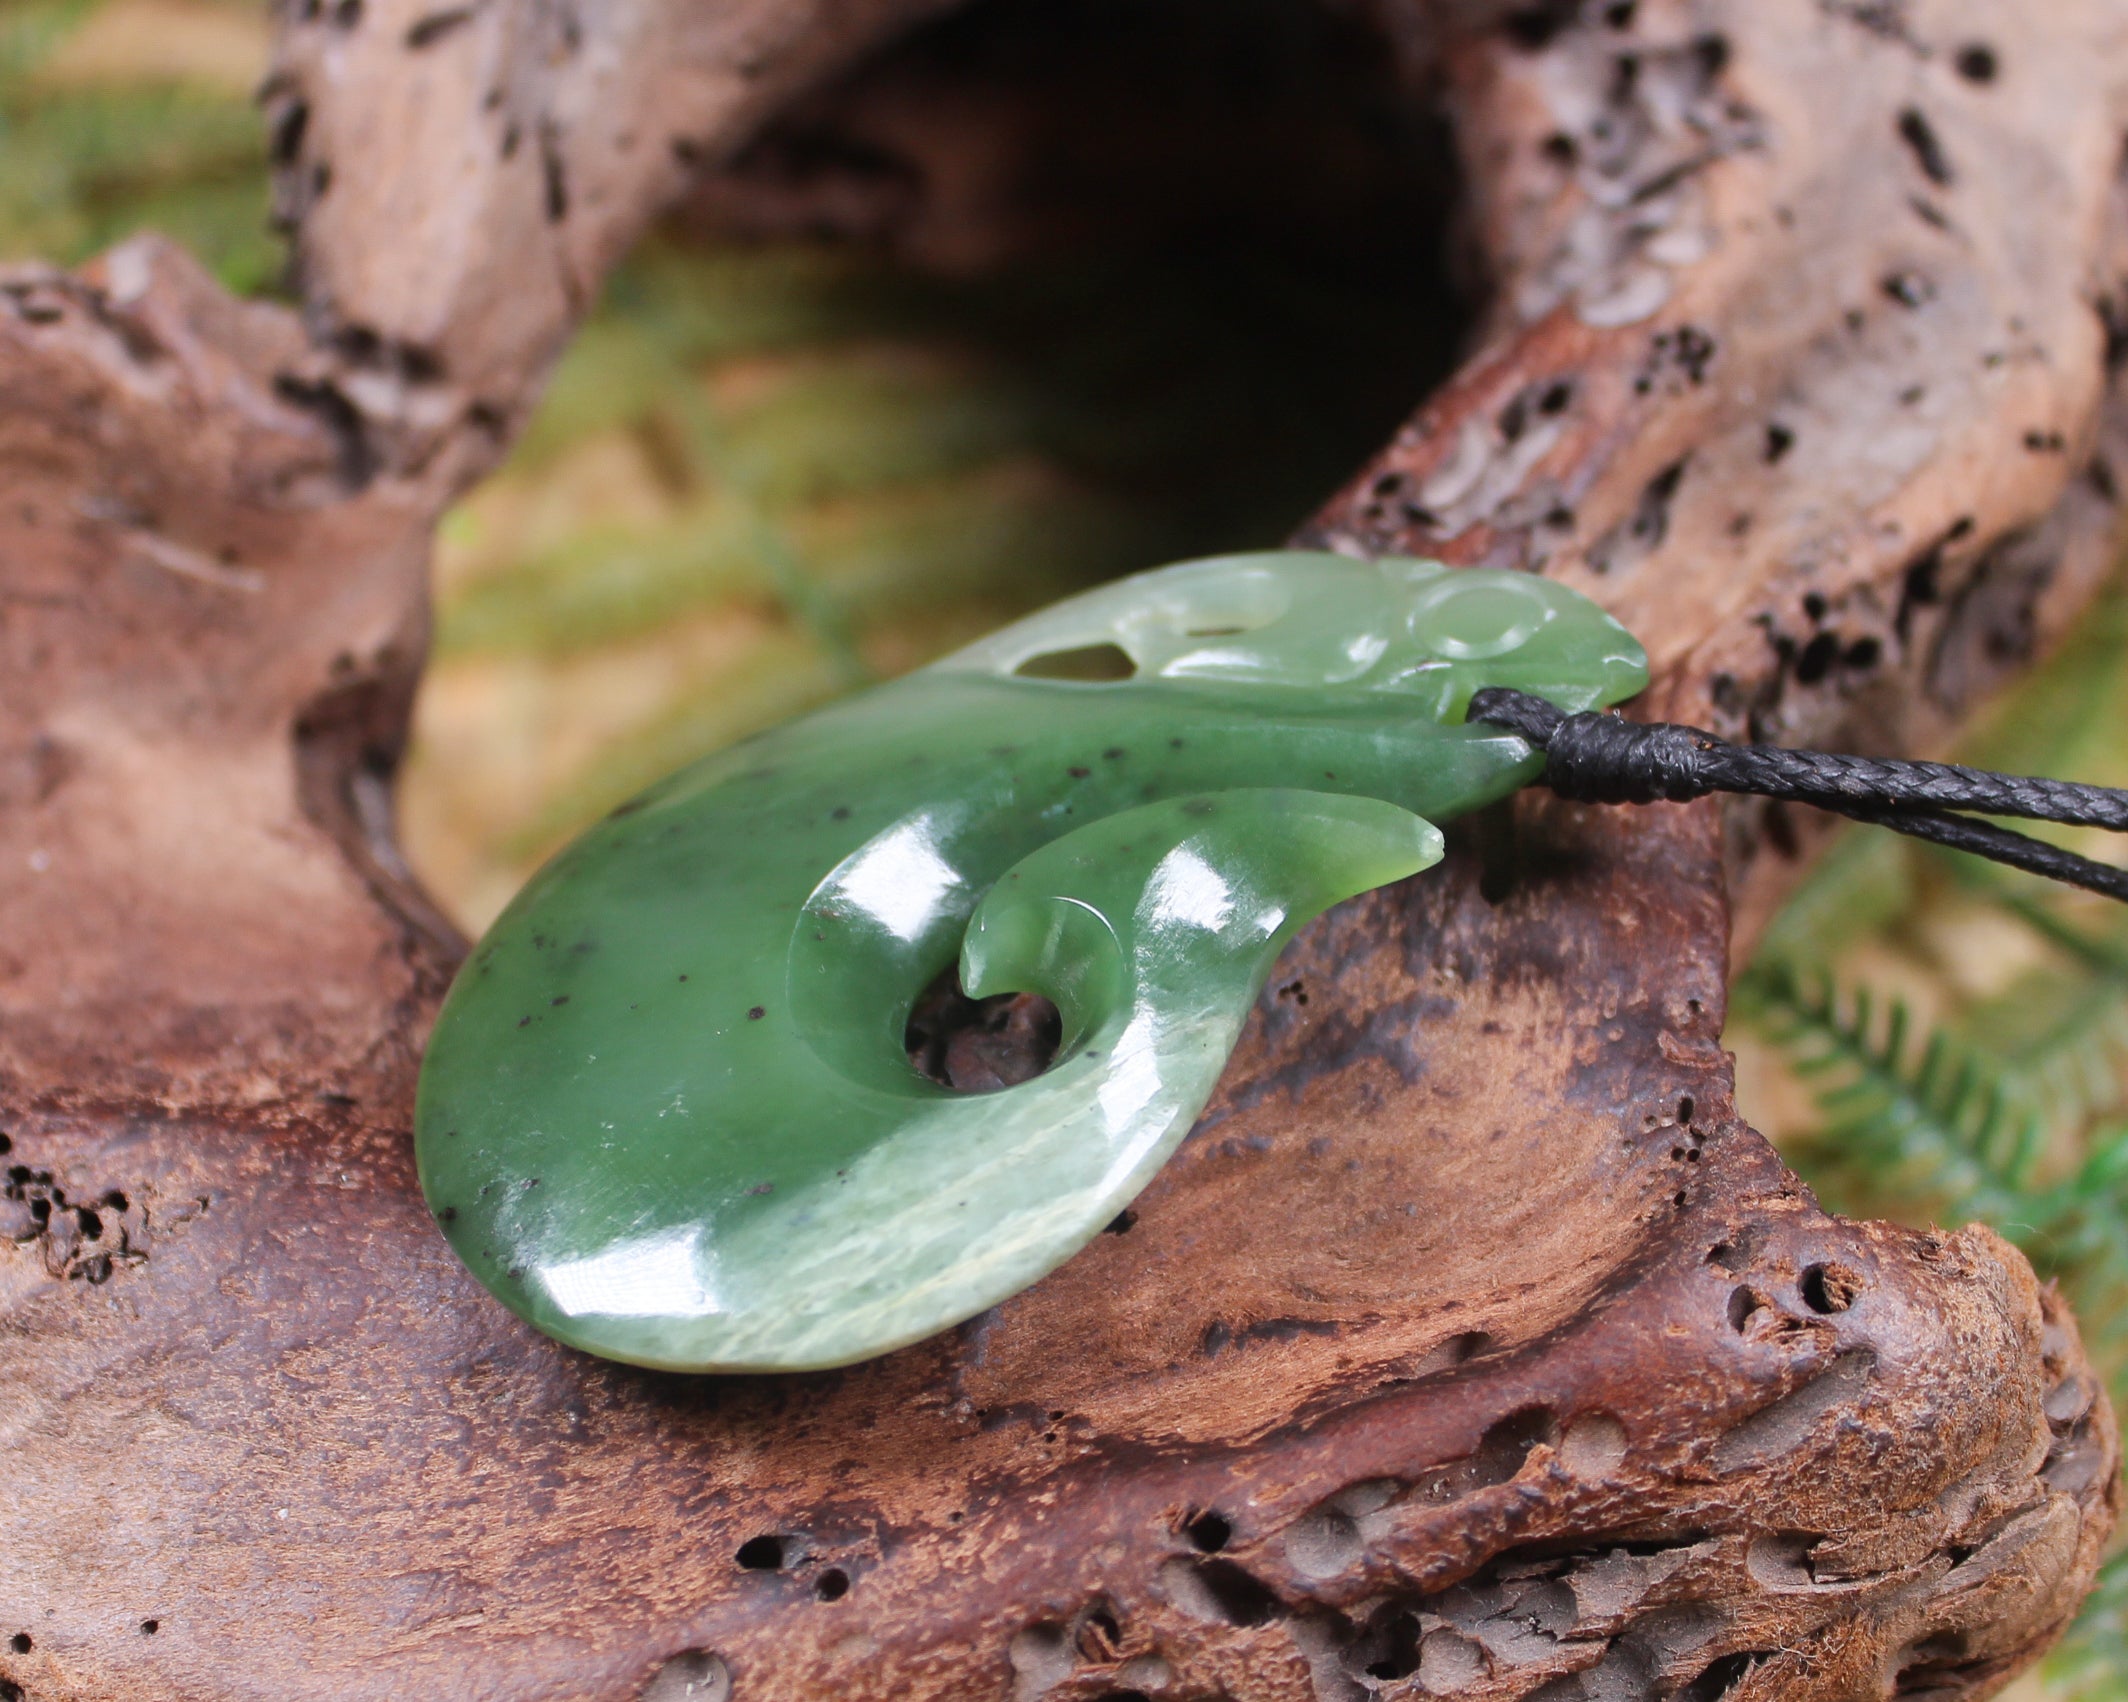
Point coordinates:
[(1604, 759)]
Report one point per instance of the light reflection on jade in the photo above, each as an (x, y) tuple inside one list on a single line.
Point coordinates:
[(668, 1115)]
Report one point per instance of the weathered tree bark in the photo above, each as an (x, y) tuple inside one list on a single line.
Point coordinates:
[(1471, 1347)]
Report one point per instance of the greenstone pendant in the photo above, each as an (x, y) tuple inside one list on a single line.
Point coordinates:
[(668, 1114)]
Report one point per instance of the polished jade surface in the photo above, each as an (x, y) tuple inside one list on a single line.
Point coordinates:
[(668, 1115)]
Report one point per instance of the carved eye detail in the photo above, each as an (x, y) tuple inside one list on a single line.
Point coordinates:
[(1476, 616)]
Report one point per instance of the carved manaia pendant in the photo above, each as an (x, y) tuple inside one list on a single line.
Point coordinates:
[(668, 1114)]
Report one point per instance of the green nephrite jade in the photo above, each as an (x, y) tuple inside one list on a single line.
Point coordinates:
[(668, 1114)]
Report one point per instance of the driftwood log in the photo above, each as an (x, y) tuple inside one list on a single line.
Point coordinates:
[(1472, 1346)]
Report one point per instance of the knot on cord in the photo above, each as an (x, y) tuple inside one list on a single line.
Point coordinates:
[(1603, 759)]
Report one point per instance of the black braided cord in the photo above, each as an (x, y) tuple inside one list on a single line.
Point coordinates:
[(1604, 759)]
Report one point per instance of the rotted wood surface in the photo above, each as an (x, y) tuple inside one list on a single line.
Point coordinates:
[(1471, 1347)]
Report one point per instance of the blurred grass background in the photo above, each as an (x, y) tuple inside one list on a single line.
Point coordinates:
[(767, 475)]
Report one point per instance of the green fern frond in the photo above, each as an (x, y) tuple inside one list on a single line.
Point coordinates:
[(1942, 1127), (2061, 1029), (1937, 1123)]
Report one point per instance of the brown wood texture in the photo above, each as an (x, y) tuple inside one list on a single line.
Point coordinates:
[(1471, 1347)]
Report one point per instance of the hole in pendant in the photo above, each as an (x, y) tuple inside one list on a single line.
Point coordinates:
[(832, 1585), (1094, 664), (980, 1045)]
